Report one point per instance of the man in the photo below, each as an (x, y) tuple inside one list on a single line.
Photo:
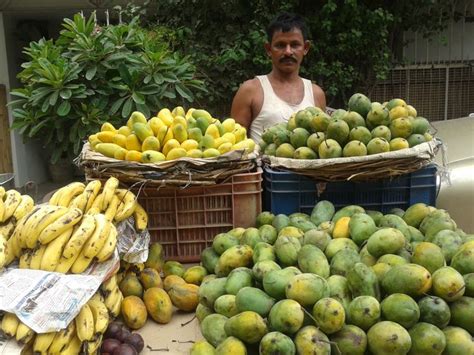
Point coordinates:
[(270, 99)]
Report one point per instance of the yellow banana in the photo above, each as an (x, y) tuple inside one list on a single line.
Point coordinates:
[(52, 254), (3, 251), (2, 208), (2, 191), (92, 346), (10, 324), (112, 208), (96, 205), (117, 307), (91, 191), (73, 347), (127, 204), (141, 218), (7, 229), (62, 338), (109, 246), (63, 223), (64, 265), (81, 263), (53, 200), (80, 201), (12, 250), (109, 285), (24, 333), (11, 201), (113, 301), (21, 225), (100, 314), (42, 342), (36, 257), (26, 205), (98, 238), (46, 216), (79, 236), (25, 260), (69, 192), (97, 297), (109, 191), (85, 323)]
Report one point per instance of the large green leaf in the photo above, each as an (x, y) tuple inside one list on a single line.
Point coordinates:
[(64, 108), (127, 107)]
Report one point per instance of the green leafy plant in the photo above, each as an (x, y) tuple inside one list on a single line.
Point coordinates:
[(91, 75)]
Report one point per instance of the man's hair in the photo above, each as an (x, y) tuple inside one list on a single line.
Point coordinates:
[(285, 22)]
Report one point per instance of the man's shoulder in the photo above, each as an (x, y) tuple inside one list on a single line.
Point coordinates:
[(251, 84)]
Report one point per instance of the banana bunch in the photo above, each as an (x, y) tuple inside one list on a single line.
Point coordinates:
[(113, 297), (13, 207), (115, 203), (13, 327)]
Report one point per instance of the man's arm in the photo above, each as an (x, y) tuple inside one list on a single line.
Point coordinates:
[(241, 109), (319, 97)]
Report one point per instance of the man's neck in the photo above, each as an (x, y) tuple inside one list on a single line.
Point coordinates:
[(283, 77)]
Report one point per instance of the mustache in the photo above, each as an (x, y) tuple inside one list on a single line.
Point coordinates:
[(288, 60)]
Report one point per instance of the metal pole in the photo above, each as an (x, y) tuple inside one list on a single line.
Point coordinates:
[(446, 91)]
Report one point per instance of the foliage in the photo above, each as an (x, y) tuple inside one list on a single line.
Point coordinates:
[(91, 75), (354, 42)]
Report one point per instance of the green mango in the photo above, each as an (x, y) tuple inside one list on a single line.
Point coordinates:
[(362, 281), (237, 279), (247, 326), (312, 260), (254, 299)]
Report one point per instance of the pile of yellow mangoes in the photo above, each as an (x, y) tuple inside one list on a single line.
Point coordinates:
[(171, 134)]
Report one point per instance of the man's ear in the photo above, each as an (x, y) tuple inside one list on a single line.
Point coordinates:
[(307, 46), (268, 49)]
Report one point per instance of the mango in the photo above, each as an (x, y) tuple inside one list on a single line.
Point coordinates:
[(264, 218), (341, 228), (411, 279), (448, 241), (318, 238), (415, 234), (458, 341), (247, 326), (209, 259), (307, 289), (339, 290), (261, 268), (335, 245), (280, 221), (428, 255), (385, 241), (263, 252), (329, 315), (362, 281), (347, 211), (231, 345), (366, 258), (463, 260), (238, 279), (350, 340), (312, 260), (286, 250), (232, 258), (361, 227), (448, 284), (150, 277), (380, 270), (120, 140), (436, 221), (426, 339), (401, 309), (171, 281), (133, 143), (130, 285), (184, 296), (134, 155), (173, 268), (415, 214), (343, 261), (142, 131), (134, 312), (364, 312), (151, 143), (469, 281), (375, 215), (226, 306), (254, 299), (224, 241), (286, 316), (202, 312), (276, 343), (195, 274), (434, 310), (388, 338), (107, 149), (211, 290), (158, 304), (202, 347), (250, 237), (212, 328), (311, 340), (461, 313), (392, 260)]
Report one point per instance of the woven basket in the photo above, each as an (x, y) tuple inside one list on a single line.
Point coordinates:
[(179, 172), (364, 168)]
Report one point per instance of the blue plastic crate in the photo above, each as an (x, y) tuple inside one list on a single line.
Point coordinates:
[(287, 192)]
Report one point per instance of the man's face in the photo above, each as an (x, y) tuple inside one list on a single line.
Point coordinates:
[(287, 50)]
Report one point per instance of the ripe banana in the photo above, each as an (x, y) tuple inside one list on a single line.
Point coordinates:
[(117, 307), (97, 297), (10, 324), (79, 201), (2, 191), (113, 299), (12, 250), (127, 204), (100, 314), (73, 347), (53, 251), (112, 208), (109, 246), (20, 225), (109, 191), (79, 236), (141, 218), (11, 201), (3, 251), (96, 206), (39, 221), (69, 192), (98, 238), (42, 342), (36, 257), (24, 333), (7, 228), (62, 339), (85, 324), (91, 191), (25, 260), (109, 285), (63, 223), (92, 346), (81, 263), (2, 208), (64, 265), (26, 205)]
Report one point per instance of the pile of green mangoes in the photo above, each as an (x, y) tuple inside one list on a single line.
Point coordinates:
[(347, 281), (365, 128)]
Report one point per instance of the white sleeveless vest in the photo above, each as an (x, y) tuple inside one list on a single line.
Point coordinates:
[(275, 110)]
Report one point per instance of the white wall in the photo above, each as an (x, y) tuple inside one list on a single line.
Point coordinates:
[(28, 162)]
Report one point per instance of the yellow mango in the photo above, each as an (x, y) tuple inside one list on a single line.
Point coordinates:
[(228, 124), (189, 144), (176, 153), (142, 131), (229, 137), (133, 155), (125, 130), (240, 133), (166, 116), (107, 149), (106, 126), (247, 144), (120, 154), (168, 136), (162, 133), (207, 142), (172, 143), (94, 141), (134, 312), (211, 153), (106, 136), (184, 296), (397, 112), (225, 147), (135, 117), (194, 153), (152, 156), (213, 131), (178, 111), (151, 143), (180, 120), (92, 137), (202, 113), (341, 228), (180, 133), (171, 281), (189, 113), (120, 140), (158, 304), (133, 143), (155, 124), (412, 111), (219, 141)]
